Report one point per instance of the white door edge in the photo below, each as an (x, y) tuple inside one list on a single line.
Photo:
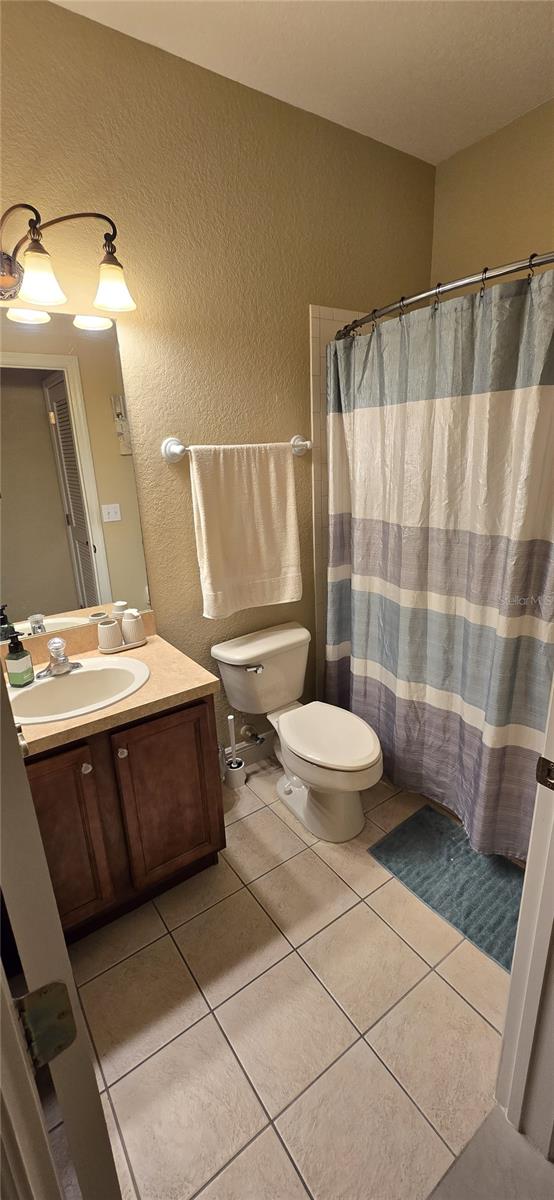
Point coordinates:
[(517, 1073), (28, 1171), (33, 914)]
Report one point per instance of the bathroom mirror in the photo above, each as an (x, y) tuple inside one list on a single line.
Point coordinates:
[(71, 534)]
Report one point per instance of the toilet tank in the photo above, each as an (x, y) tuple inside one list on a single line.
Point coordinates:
[(280, 655)]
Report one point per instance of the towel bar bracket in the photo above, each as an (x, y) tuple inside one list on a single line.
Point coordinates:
[(173, 449)]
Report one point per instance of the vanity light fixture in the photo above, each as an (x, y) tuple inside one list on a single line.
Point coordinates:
[(82, 321), (34, 279), (27, 316)]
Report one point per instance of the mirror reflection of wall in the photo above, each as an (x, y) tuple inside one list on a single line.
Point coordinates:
[(71, 535)]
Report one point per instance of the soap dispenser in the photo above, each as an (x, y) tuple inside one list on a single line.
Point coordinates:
[(6, 628), (19, 664)]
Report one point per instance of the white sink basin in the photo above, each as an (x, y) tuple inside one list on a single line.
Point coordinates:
[(95, 685)]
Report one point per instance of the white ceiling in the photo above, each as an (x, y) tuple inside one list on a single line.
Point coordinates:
[(426, 76)]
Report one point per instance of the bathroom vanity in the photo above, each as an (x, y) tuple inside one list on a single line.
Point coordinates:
[(128, 797)]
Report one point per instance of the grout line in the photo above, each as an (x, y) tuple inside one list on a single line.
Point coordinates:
[(398, 1000), (123, 1146), (153, 1053), (234, 1156), (403, 939), (107, 1092), (359, 1038), (411, 1099), (498, 1032), (125, 957), (291, 1159), (273, 868), (187, 920)]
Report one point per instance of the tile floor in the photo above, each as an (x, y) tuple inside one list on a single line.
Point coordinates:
[(292, 1022)]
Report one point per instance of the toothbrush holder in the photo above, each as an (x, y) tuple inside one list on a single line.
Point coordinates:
[(109, 634)]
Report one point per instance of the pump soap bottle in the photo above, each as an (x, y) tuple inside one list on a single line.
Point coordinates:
[(19, 664)]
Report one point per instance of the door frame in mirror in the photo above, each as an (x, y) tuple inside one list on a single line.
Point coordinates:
[(69, 364)]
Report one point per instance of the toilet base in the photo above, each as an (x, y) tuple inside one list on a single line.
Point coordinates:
[(330, 816)]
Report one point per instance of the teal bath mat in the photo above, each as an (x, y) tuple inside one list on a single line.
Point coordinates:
[(478, 893)]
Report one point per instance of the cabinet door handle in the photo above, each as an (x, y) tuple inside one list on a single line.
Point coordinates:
[(86, 768), (122, 752)]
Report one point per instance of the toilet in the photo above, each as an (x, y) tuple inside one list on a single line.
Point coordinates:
[(329, 755)]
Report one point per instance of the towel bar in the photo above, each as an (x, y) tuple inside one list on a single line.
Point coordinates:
[(173, 450)]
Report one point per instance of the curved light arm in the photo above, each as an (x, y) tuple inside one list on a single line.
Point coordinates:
[(14, 208), (36, 226)]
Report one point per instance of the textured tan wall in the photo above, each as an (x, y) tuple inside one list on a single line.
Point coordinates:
[(37, 574), (235, 212), (100, 372), (494, 201)]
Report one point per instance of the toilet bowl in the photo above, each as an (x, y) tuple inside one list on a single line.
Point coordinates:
[(329, 755)]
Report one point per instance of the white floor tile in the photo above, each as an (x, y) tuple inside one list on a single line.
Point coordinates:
[(228, 945), (108, 945), (188, 899), (396, 809), (479, 980), (261, 1172), (286, 1030), (258, 843), (139, 1005), (355, 1135), (423, 929), (303, 895), (352, 862), (239, 802), (185, 1112), (444, 1054), (364, 965)]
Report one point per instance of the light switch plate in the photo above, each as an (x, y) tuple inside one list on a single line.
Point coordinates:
[(111, 512)]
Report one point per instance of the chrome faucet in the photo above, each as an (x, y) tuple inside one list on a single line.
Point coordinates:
[(59, 662), (36, 621)]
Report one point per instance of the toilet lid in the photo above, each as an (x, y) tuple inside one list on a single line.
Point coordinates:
[(330, 737)]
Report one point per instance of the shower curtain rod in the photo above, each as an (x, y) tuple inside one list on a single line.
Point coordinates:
[(442, 289)]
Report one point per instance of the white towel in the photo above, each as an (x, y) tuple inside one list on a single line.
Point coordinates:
[(246, 526)]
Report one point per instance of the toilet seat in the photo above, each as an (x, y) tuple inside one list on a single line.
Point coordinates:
[(329, 737)]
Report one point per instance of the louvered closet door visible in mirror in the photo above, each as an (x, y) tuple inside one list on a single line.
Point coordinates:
[(72, 539), (81, 546)]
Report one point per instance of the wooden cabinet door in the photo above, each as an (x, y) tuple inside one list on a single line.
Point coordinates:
[(170, 792), (66, 803)]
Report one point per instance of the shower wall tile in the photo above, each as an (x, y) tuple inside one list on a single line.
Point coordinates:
[(324, 323)]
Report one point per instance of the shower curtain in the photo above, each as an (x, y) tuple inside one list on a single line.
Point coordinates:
[(441, 563)]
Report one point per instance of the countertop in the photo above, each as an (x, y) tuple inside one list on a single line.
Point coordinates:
[(174, 679)]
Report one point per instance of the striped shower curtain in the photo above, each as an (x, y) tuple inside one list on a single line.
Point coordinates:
[(441, 564)]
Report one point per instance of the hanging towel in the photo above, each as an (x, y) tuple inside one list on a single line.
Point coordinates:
[(246, 526)]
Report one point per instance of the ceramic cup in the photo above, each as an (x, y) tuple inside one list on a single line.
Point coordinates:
[(132, 626), (118, 608), (109, 634)]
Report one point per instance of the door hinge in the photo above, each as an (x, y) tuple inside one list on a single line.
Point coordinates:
[(52, 417), (545, 773), (48, 1023)]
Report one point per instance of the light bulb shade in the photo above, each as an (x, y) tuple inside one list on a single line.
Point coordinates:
[(82, 321), (113, 295), (27, 316), (40, 285)]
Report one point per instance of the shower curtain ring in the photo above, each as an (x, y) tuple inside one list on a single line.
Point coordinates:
[(402, 303), (373, 320), (483, 281), (438, 290), (531, 268)]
